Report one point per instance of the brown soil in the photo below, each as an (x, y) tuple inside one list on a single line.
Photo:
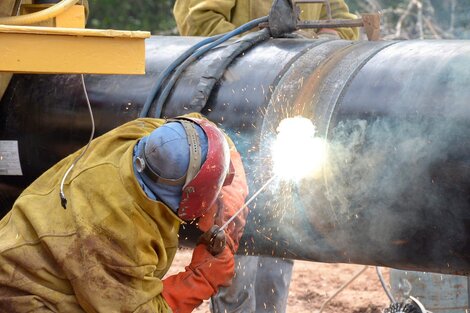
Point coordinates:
[(312, 283)]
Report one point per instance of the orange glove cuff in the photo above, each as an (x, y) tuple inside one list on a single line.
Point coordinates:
[(205, 274)]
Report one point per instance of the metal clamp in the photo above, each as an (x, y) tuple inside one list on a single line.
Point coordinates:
[(370, 21), (284, 18)]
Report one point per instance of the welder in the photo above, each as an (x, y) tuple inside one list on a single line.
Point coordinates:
[(108, 247), (211, 17)]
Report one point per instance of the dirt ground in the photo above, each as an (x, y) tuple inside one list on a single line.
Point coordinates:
[(312, 283)]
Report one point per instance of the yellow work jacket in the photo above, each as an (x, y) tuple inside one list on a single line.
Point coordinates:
[(106, 252), (211, 17)]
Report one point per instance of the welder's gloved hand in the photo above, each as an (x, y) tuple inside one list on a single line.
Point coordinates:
[(329, 34), (214, 239), (201, 279), (230, 200)]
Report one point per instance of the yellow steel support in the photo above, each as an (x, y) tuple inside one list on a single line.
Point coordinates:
[(30, 49), (73, 17)]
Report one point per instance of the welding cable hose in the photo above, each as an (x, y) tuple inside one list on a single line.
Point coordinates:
[(39, 16), (185, 60), (161, 78), (216, 69)]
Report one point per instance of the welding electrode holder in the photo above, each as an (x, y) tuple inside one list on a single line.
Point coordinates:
[(214, 239)]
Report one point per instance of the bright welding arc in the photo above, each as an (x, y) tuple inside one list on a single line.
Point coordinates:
[(297, 152)]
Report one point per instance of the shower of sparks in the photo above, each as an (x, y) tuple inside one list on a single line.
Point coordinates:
[(296, 152), (246, 203)]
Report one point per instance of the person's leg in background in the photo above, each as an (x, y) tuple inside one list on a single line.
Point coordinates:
[(272, 284), (239, 297), (261, 284)]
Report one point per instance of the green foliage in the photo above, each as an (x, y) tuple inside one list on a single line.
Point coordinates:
[(151, 15), (439, 18), (448, 18)]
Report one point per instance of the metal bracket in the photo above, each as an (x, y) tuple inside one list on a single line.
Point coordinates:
[(282, 18), (71, 50), (371, 25), (370, 21)]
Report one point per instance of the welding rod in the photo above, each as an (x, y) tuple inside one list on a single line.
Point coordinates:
[(246, 203)]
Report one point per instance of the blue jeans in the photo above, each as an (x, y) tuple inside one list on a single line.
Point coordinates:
[(261, 284)]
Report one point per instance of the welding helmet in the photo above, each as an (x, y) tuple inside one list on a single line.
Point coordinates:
[(187, 161)]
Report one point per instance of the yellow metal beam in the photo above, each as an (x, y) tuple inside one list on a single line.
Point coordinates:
[(74, 17), (30, 49)]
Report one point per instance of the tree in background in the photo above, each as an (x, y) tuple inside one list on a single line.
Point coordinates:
[(151, 15), (419, 19), (401, 19)]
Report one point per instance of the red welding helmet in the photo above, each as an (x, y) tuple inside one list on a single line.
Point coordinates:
[(201, 191)]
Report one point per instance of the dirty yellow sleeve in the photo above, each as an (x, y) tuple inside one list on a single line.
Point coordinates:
[(203, 18)]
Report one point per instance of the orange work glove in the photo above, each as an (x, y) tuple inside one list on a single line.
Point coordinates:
[(230, 200), (202, 278)]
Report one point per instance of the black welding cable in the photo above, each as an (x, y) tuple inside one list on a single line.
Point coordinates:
[(216, 69), (194, 56), (161, 78), (240, 30)]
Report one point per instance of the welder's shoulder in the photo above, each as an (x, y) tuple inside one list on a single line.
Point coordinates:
[(152, 123), (147, 124), (137, 128), (144, 125), (195, 115), (227, 137)]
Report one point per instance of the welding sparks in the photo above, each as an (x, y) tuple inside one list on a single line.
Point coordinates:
[(296, 152)]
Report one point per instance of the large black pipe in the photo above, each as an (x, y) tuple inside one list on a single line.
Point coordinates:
[(396, 191)]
